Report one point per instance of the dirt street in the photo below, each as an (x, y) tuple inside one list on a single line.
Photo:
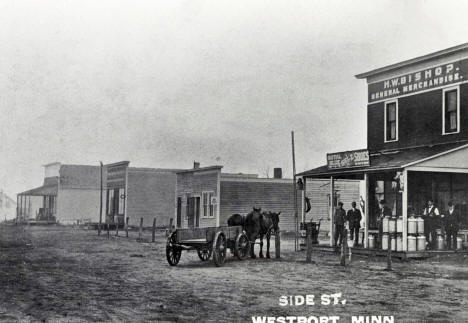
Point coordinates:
[(60, 274)]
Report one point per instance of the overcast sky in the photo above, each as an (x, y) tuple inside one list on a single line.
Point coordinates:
[(164, 83)]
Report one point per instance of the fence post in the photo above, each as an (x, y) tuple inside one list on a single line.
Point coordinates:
[(309, 244), (344, 244), (117, 229), (126, 226), (108, 233), (141, 229), (154, 230), (278, 244)]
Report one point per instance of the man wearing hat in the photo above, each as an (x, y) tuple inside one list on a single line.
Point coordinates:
[(431, 218), (339, 220), (384, 211), (354, 221), (451, 219)]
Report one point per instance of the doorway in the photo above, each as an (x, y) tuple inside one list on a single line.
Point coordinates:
[(193, 212)]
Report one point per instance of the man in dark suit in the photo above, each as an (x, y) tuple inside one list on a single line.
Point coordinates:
[(339, 219), (431, 218), (451, 219), (354, 221)]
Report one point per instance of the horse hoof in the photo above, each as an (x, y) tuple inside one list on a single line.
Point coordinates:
[(261, 256), (253, 256), (267, 256)]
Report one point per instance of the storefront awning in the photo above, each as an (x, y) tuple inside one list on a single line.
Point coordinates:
[(390, 160)]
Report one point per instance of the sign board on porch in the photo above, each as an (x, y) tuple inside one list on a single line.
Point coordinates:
[(348, 159), (116, 174)]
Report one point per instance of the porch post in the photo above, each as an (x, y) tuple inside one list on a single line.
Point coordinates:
[(405, 210), (332, 190), (366, 210), (303, 198)]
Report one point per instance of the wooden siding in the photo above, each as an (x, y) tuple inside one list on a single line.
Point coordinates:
[(318, 191), (78, 205), (150, 194), (271, 195), (193, 184), (420, 121)]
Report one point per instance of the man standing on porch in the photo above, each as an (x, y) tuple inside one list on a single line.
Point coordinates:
[(451, 225), (339, 220), (431, 218), (354, 221)]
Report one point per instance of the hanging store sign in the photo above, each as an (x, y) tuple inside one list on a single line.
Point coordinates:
[(348, 159), (422, 80)]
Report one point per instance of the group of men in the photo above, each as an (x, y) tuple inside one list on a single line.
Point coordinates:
[(353, 217), (449, 221)]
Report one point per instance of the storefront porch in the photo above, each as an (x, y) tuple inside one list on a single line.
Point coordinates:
[(406, 179), (38, 204)]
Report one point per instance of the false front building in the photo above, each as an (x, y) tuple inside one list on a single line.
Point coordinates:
[(417, 141)]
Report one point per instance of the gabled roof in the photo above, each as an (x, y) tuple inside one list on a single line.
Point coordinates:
[(420, 59), (390, 160)]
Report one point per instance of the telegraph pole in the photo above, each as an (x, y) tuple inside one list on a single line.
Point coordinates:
[(100, 204), (295, 191)]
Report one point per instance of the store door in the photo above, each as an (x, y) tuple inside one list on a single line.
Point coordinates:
[(193, 212), (179, 212)]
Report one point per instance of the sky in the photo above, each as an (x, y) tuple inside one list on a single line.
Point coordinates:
[(167, 83)]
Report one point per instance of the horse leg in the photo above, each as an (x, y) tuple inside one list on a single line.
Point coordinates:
[(261, 246), (252, 245), (268, 244)]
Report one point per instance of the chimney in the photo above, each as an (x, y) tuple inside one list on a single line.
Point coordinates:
[(196, 165), (277, 172)]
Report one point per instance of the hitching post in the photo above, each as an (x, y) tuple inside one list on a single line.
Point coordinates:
[(309, 244), (154, 230), (389, 255), (344, 244), (170, 224), (108, 233), (126, 226), (141, 229), (278, 244), (117, 229)]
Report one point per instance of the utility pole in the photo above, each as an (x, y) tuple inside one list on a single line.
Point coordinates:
[(100, 204), (295, 191)]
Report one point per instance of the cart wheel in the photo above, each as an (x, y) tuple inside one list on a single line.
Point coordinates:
[(219, 249), (242, 246), (204, 254), (172, 251)]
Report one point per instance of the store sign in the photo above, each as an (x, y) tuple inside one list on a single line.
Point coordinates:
[(116, 174), (441, 75), (348, 159)]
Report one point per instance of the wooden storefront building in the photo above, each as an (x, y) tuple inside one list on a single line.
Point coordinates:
[(417, 140)]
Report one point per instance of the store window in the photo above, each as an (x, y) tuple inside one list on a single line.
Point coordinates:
[(209, 207), (122, 201), (391, 121), (451, 111), (110, 202)]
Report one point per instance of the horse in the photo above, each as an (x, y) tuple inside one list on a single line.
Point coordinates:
[(236, 219), (258, 224)]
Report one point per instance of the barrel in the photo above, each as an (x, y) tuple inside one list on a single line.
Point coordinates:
[(459, 243), (371, 240), (399, 225), (411, 243), (385, 224), (440, 242), (393, 243), (392, 225), (399, 243), (421, 246), (412, 225), (385, 241), (420, 222)]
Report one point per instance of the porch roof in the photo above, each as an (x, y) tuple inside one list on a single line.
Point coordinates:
[(388, 160), (42, 191)]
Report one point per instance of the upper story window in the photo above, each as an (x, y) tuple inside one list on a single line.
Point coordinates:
[(391, 121), (451, 111)]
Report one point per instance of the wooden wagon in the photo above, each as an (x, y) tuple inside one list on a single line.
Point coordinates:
[(211, 241)]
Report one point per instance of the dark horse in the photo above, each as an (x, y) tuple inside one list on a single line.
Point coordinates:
[(258, 224)]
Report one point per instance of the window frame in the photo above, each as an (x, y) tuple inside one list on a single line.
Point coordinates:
[(445, 90), (209, 205), (386, 103)]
